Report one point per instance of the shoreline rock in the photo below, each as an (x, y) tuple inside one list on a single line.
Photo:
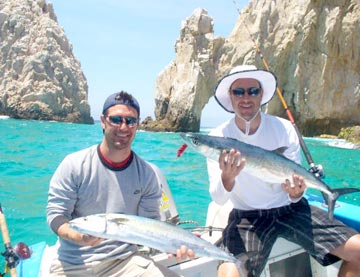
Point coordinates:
[(40, 77), (351, 134)]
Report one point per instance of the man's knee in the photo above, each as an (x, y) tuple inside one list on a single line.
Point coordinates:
[(228, 270), (350, 250)]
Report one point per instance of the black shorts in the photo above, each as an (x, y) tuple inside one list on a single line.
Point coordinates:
[(255, 232)]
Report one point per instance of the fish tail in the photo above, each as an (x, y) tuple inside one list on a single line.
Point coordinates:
[(242, 264), (241, 268), (335, 194)]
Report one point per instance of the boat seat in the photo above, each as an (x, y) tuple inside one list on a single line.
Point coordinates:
[(48, 255)]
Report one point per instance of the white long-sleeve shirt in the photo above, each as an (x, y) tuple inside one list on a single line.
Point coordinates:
[(251, 192)]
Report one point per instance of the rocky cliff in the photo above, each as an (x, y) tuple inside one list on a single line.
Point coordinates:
[(312, 47), (39, 75), (185, 86)]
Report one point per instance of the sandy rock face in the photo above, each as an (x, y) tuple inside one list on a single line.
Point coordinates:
[(39, 76)]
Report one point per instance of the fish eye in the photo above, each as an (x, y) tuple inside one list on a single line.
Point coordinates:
[(195, 141)]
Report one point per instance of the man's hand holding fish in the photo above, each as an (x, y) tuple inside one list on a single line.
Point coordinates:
[(296, 189), (231, 163)]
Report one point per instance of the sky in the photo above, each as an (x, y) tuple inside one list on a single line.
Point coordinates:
[(125, 44)]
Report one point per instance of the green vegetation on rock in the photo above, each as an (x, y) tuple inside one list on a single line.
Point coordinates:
[(351, 134)]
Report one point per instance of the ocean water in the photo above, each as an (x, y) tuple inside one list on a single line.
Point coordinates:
[(30, 151)]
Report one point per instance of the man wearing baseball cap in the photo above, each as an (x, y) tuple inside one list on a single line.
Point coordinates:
[(105, 178), (263, 211)]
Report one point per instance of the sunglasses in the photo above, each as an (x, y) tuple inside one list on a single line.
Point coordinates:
[(128, 120), (250, 91)]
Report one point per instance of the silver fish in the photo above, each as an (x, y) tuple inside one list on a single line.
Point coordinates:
[(149, 232), (270, 166)]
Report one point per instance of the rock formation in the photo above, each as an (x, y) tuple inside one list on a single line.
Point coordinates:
[(39, 75), (185, 86), (312, 47)]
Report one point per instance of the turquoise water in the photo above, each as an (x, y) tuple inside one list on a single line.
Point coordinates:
[(30, 151)]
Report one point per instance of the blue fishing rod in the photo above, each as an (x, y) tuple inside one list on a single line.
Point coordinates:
[(317, 170)]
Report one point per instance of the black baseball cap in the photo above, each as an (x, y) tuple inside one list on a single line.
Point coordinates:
[(121, 98)]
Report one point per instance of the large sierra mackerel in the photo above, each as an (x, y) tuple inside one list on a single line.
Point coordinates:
[(270, 166), (148, 232)]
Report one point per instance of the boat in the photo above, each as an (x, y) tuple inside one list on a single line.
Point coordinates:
[(336, 142), (284, 257), (342, 143)]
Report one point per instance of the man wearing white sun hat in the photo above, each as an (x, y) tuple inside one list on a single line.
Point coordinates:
[(263, 210)]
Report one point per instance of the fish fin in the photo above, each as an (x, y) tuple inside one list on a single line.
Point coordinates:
[(242, 267), (336, 193), (330, 203), (280, 150)]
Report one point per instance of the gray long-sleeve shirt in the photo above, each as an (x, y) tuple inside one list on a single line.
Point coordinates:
[(84, 185)]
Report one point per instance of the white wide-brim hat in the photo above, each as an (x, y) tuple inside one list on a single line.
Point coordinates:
[(266, 78)]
